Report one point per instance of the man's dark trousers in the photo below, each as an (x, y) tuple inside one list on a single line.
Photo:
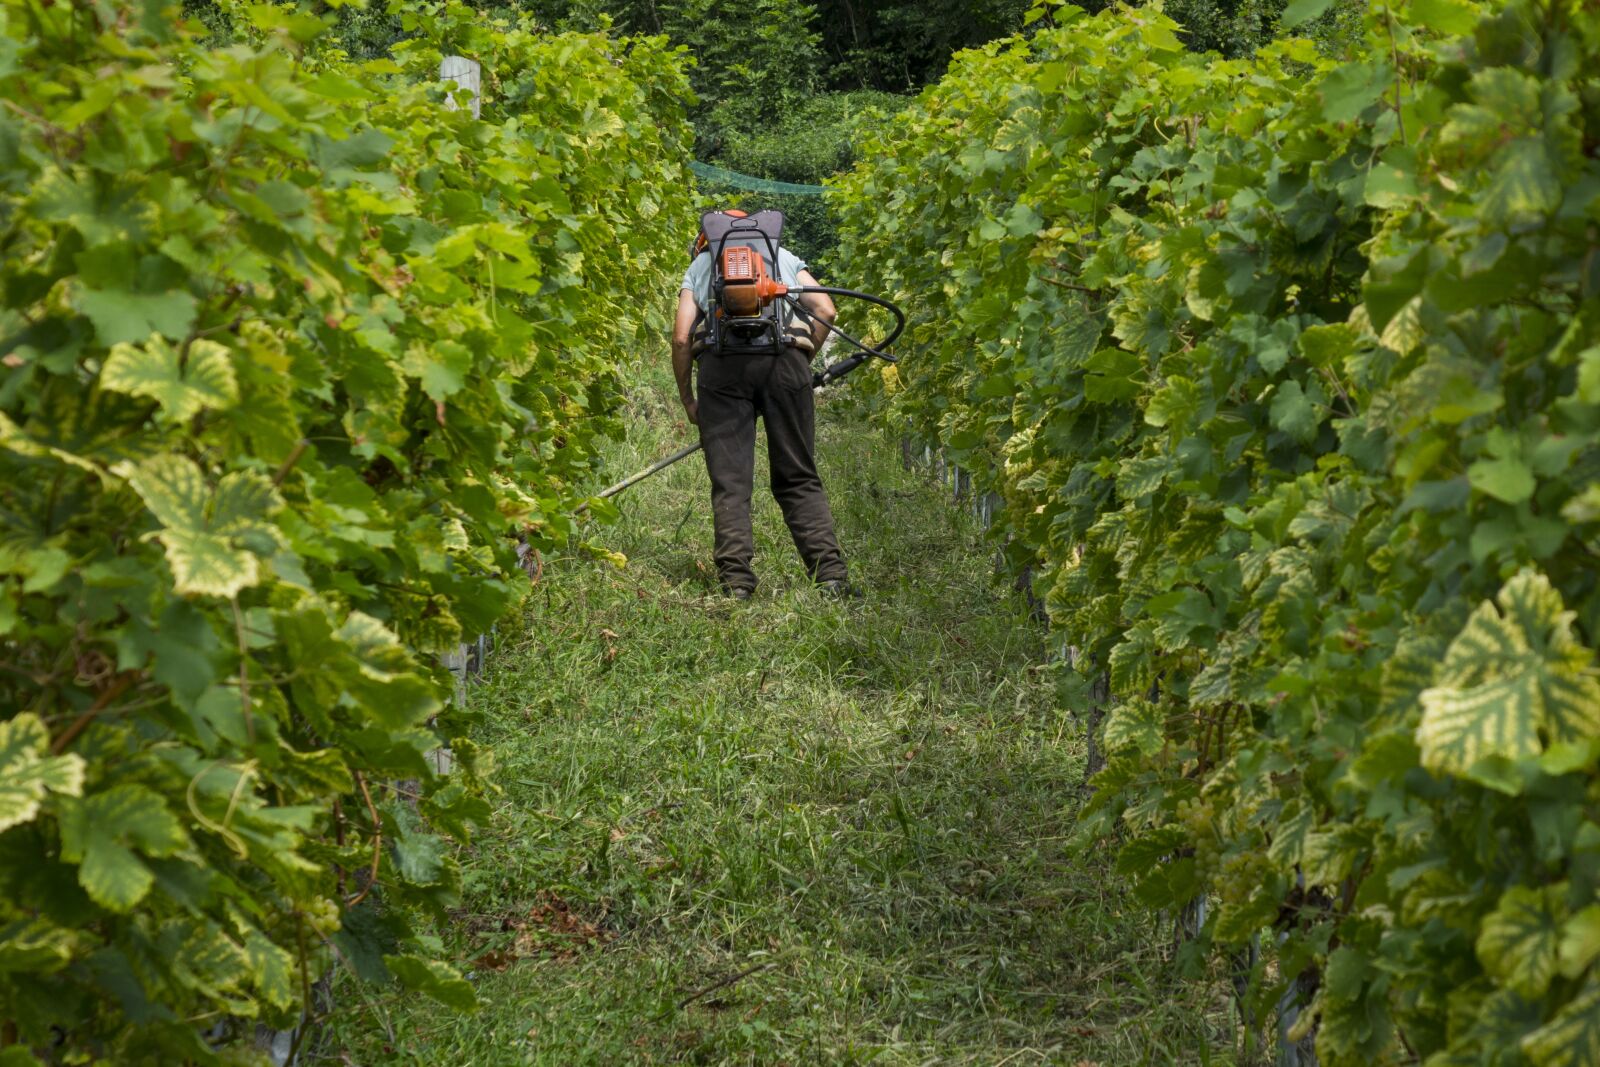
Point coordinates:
[(734, 389)]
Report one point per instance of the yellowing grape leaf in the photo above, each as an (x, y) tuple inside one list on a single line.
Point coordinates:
[(1580, 941), (212, 539), (34, 947), (1513, 681), (28, 771), (435, 979), (209, 958), (1518, 940), (14, 439), (1526, 183), (182, 383), (101, 834), (384, 679), (1572, 1038), (1405, 331), (272, 970), (1134, 722)]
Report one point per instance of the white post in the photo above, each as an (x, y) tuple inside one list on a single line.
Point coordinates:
[(459, 72)]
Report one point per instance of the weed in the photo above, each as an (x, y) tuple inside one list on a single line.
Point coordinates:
[(790, 831)]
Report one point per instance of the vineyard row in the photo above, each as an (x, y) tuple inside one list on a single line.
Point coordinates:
[(1287, 373)]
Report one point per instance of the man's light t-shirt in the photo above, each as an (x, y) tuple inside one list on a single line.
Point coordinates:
[(697, 279)]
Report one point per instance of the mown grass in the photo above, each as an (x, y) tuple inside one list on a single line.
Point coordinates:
[(793, 831)]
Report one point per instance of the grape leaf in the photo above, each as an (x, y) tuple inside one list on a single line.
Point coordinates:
[(1350, 89), (1444, 16), (442, 368), (418, 855), (1512, 681), (1293, 412), (213, 540), (434, 979), (1580, 941), (1328, 346), (1507, 478), (363, 149), (101, 832), (34, 946), (120, 316), (28, 771), (1517, 942), (1135, 722), (1300, 11), (159, 371), (1572, 1038)]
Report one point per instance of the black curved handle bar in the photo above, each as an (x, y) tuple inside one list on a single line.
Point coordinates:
[(899, 326), (833, 372)]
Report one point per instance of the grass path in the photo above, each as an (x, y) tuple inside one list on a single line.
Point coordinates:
[(791, 831)]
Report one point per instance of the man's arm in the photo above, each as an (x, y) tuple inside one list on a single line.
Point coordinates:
[(683, 353), (820, 306)]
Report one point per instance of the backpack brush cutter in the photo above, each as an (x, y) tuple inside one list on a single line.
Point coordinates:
[(748, 309)]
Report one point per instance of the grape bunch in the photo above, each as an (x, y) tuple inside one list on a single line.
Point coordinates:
[(323, 915), (1197, 816), (1241, 874)]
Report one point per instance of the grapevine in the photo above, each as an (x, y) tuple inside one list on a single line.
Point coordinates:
[(292, 355), (1287, 370)]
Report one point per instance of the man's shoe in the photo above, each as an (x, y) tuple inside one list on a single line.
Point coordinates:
[(739, 593), (837, 589)]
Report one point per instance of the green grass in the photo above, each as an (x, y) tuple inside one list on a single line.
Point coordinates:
[(792, 831)]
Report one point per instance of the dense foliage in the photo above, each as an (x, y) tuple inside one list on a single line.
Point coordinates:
[(290, 355), (1289, 373), (782, 85), (800, 47), (781, 52), (806, 144), (786, 88), (1237, 28)]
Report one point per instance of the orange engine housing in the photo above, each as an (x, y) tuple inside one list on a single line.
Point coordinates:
[(747, 287)]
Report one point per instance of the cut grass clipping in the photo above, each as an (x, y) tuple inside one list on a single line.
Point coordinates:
[(789, 831)]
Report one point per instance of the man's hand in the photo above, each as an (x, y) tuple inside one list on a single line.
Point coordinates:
[(822, 310), (683, 355)]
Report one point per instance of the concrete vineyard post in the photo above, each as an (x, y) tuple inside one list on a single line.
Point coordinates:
[(462, 75)]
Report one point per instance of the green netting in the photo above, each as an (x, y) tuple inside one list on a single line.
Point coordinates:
[(736, 180)]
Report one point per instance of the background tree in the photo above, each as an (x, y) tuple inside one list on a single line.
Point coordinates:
[(902, 46), (756, 56), (784, 86)]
